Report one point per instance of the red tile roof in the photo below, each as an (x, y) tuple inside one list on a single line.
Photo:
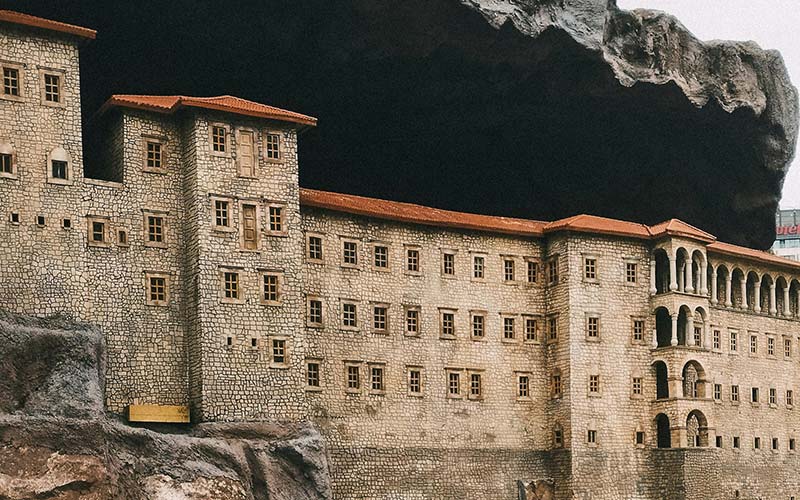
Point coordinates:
[(418, 214), (9, 16), (169, 104)]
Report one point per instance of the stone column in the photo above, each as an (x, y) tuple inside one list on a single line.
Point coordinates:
[(689, 280), (673, 273), (714, 291), (786, 307), (744, 292), (690, 329), (704, 279), (655, 338), (729, 290), (757, 296), (682, 278), (773, 302), (653, 288), (674, 340)]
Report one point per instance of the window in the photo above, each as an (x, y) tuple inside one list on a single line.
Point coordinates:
[(11, 82), (376, 378), (787, 348), (415, 381), (637, 386), (52, 88), (253, 342), (273, 146), (155, 230), (770, 346), (774, 443), (753, 344), (218, 139), (246, 153), (552, 271), (448, 324), (733, 341), (59, 166), (14, 219), (6, 159), (638, 330), (67, 224), (349, 253), (271, 291), (552, 328), (222, 218), (754, 395), (717, 392), (718, 441), (153, 155), (594, 384), (557, 385), (735, 393), (475, 386), (590, 268), (630, 272), (412, 321), (249, 229), (791, 444), (558, 437), (478, 326), (157, 289), (478, 266), (276, 219), (40, 221), (230, 286), (592, 327), (312, 374), (314, 312), (508, 328), (453, 384), (315, 248), (449, 264), (508, 270), (736, 441), (98, 231), (523, 386), (380, 254), (698, 336), (379, 318), (533, 271), (773, 397), (531, 330), (59, 169), (789, 397), (353, 377), (716, 336), (349, 319), (757, 443), (412, 260), (279, 354), (591, 436)]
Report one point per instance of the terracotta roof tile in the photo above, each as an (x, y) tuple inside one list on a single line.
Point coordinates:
[(676, 227), (418, 214), (750, 254), (169, 104), (602, 225), (12, 17)]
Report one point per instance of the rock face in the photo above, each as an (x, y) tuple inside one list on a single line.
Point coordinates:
[(55, 441)]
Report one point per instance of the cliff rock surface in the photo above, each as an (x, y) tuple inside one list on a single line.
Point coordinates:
[(56, 443)]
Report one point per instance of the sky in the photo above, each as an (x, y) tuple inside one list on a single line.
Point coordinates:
[(770, 23)]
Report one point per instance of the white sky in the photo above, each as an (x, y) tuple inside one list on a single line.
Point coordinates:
[(773, 24)]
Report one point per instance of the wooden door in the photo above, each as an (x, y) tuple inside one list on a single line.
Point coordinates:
[(249, 227), (247, 154)]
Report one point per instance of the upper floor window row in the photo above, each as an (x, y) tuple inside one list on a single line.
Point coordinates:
[(591, 270), (51, 84), (243, 144), (58, 164)]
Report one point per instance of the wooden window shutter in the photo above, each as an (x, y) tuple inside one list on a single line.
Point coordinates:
[(247, 154)]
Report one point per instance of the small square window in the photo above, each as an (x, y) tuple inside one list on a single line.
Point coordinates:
[(11, 82), (229, 341), (478, 267), (381, 256), (380, 318), (273, 146), (14, 218), (253, 342), (271, 291), (591, 436), (350, 253), (122, 238), (478, 326), (533, 271), (349, 316), (279, 354), (40, 220), (376, 378), (157, 289), (314, 312), (315, 248), (412, 322), (412, 260), (449, 264), (639, 438), (66, 223), (508, 270), (219, 139), (52, 88), (276, 219), (98, 236), (58, 169), (631, 269), (312, 375)]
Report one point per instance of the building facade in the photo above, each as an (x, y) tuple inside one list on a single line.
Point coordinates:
[(441, 354), (787, 234)]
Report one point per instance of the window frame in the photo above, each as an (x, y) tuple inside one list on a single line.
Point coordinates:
[(471, 374), (379, 366), (420, 371), (281, 210), (445, 253), (7, 148), (592, 324), (443, 311), (551, 320), (594, 383), (344, 305), (505, 320), (106, 221), (146, 140), (62, 83), (450, 375), (552, 269), (20, 69), (374, 307), (630, 261), (151, 275), (346, 241), (634, 321), (226, 136), (242, 228), (318, 362), (528, 386), (348, 365), (281, 146), (239, 299), (418, 311), (590, 263), (157, 214), (537, 273), (475, 257), (477, 313), (374, 246), (537, 329), (287, 350), (314, 324), (406, 259), (279, 276), (63, 181), (637, 387), (309, 258), (506, 260), (229, 228)]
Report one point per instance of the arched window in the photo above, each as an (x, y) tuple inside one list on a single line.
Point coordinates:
[(662, 383), (663, 431), (696, 429), (7, 160), (59, 166)]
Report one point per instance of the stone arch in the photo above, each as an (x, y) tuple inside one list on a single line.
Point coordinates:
[(737, 277), (701, 321), (694, 380), (764, 297), (663, 431), (9, 167), (698, 272), (722, 279), (661, 373), (57, 160), (781, 284), (661, 260), (663, 327), (685, 322), (752, 283), (696, 429), (683, 262)]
